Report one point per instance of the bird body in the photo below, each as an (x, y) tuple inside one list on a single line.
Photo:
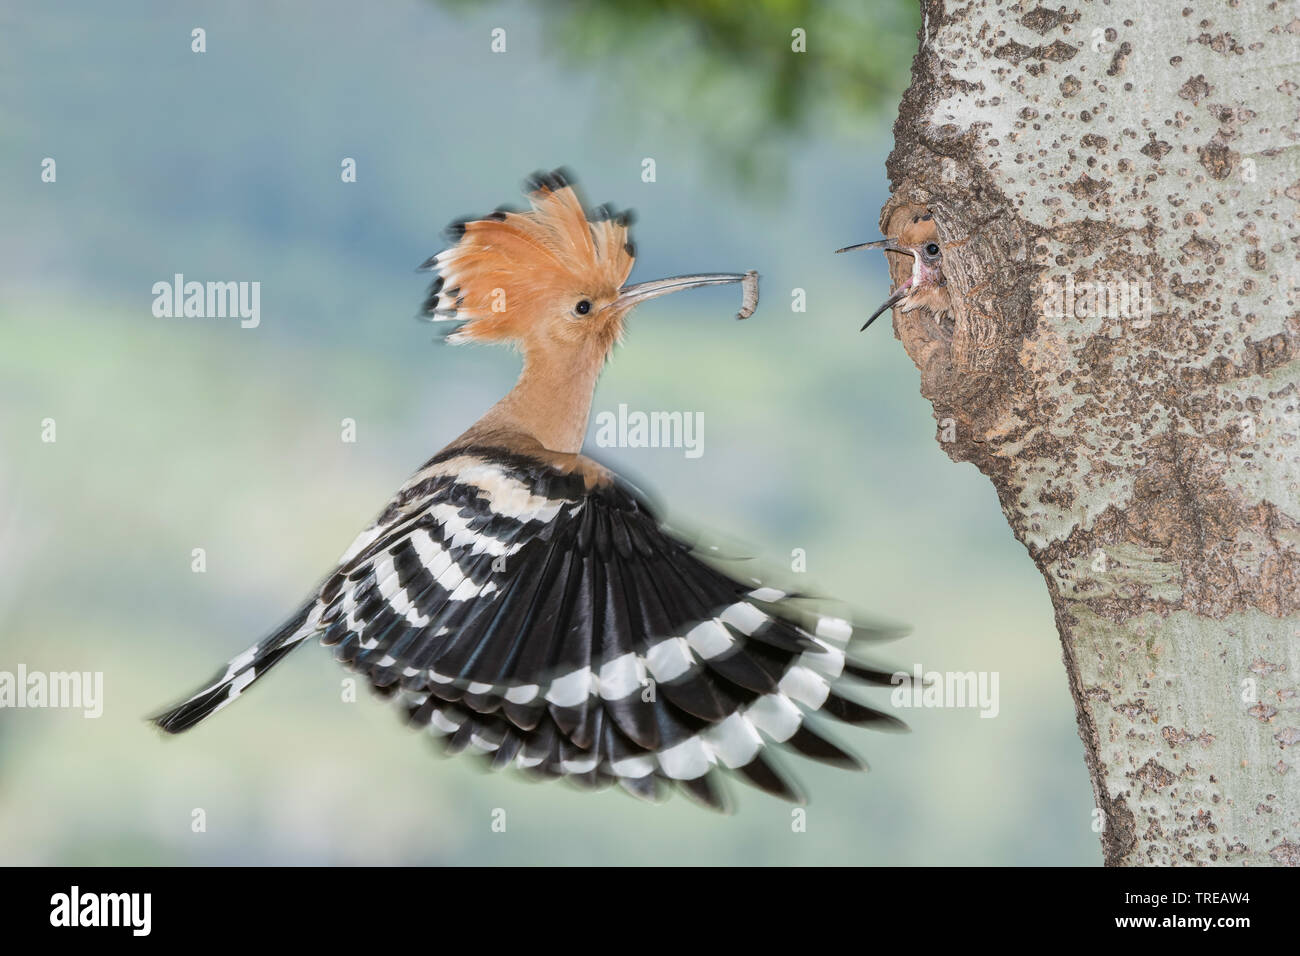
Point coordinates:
[(519, 600)]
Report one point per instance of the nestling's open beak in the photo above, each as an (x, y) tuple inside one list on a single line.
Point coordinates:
[(643, 291), (889, 245), (892, 301)]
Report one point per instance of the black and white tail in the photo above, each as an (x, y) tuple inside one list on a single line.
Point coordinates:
[(242, 671)]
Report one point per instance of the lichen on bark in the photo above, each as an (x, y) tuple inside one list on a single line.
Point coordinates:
[(1117, 189)]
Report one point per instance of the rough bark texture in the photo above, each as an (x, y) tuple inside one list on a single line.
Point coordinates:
[(1149, 461)]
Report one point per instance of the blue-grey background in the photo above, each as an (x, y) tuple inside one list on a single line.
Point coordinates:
[(174, 434)]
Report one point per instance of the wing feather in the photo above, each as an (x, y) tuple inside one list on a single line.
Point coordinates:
[(556, 626)]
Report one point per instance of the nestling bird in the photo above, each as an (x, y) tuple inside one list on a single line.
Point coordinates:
[(521, 601), (926, 288)]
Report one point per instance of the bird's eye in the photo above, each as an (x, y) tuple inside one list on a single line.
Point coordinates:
[(932, 249), (583, 307)]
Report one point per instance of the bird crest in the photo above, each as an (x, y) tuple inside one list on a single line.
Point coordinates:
[(513, 274)]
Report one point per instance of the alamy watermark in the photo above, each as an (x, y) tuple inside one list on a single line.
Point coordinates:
[(947, 689), (634, 429), (67, 690), (1116, 298), (75, 908), (208, 300)]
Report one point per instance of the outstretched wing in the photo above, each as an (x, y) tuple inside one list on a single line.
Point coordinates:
[(518, 612)]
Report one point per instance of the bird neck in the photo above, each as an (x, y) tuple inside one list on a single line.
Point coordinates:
[(551, 402)]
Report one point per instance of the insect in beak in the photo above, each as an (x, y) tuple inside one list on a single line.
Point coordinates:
[(644, 291)]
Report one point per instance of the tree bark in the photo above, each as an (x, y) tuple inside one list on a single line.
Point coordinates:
[(1141, 425)]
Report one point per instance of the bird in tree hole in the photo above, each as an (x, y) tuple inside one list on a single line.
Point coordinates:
[(926, 287)]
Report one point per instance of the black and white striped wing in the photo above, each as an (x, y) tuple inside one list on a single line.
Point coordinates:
[(562, 630)]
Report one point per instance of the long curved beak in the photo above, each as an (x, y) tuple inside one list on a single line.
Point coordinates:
[(892, 301), (888, 245), (643, 291)]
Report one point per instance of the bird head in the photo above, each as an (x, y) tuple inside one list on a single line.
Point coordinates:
[(925, 287), (548, 279)]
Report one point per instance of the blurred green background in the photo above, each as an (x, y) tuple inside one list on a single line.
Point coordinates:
[(174, 434)]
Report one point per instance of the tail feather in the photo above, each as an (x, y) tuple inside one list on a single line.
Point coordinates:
[(239, 673)]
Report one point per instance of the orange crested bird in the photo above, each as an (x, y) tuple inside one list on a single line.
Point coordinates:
[(520, 601), (926, 287)]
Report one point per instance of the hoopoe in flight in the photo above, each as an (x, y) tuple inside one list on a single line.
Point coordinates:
[(521, 601), (926, 287)]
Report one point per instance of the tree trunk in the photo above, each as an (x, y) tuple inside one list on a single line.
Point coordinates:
[(1117, 188)]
